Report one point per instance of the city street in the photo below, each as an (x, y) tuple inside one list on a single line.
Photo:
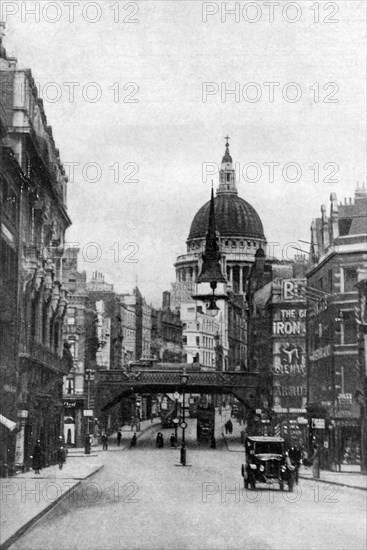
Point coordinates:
[(142, 499)]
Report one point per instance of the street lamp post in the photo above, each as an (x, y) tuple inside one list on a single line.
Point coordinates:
[(184, 378), (175, 420)]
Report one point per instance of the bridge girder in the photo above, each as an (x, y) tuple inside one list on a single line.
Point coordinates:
[(114, 385)]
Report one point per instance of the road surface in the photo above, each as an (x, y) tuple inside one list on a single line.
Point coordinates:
[(141, 500)]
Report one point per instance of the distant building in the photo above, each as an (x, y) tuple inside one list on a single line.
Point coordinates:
[(137, 325), (103, 299), (199, 336), (80, 333), (338, 252), (166, 333)]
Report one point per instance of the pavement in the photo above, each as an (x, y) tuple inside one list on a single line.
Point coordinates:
[(27, 497)]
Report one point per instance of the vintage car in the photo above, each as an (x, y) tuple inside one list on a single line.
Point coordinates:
[(267, 462)]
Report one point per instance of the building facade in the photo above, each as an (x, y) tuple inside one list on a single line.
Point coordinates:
[(166, 333), (338, 252), (277, 346), (34, 221)]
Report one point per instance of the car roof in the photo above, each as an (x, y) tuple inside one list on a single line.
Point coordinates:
[(259, 438)]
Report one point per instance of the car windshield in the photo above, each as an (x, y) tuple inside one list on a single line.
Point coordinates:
[(268, 447)]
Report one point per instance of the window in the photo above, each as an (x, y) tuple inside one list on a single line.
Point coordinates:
[(350, 329), (227, 243), (241, 243), (198, 340), (184, 340), (330, 280), (350, 279)]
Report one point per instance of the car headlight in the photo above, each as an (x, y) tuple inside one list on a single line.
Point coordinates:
[(253, 466), (262, 468)]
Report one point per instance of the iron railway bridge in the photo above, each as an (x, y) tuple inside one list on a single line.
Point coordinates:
[(114, 385)]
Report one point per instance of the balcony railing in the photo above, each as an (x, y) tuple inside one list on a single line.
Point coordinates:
[(41, 354)]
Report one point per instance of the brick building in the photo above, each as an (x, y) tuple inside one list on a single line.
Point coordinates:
[(338, 252)]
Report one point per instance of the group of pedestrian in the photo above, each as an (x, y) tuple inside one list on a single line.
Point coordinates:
[(228, 426), (38, 455)]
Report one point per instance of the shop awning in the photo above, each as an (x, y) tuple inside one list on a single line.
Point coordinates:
[(7, 423)]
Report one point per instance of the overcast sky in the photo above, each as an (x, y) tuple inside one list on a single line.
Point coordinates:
[(170, 132)]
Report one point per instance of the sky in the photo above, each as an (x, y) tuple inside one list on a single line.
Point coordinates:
[(139, 98)]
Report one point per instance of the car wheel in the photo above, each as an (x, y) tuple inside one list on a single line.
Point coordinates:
[(281, 485), (291, 485), (245, 482)]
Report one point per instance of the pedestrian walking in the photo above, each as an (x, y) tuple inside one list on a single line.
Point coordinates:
[(173, 440), (226, 427), (316, 462), (104, 442), (87, 444), (119, 435), (61, 455), (37, 457), (295, 456), (133, 441), (213, 442), (230, 426)]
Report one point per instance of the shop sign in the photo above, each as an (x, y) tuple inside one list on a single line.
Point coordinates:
[(345, 400), (293, 290), (288, 328), (88, 412), (301, 420), (318, 423), (320, 353)]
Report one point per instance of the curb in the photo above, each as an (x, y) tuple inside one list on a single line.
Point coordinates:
[(12, 539), (333, 483)]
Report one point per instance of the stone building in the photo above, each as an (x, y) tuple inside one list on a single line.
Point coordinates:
[(338, 251), (138, 316), (80, 331), (128, 322), (33, 223), (103, 299), (199, 336), (166, 333), (239, 234), (277, 345)]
